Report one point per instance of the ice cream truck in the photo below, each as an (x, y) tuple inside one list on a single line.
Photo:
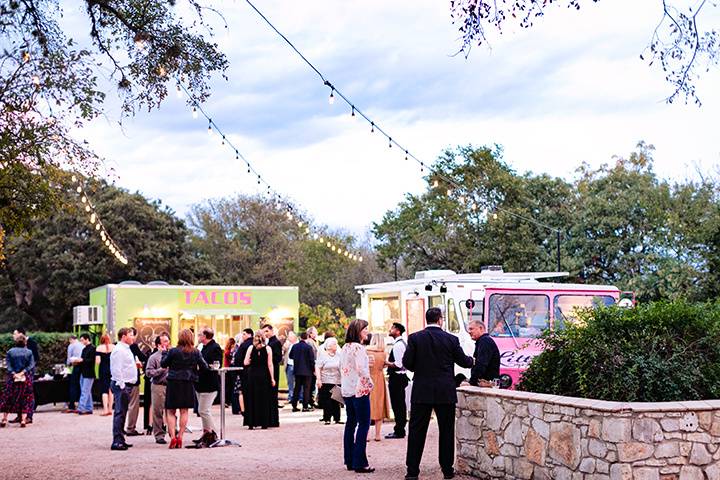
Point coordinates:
[(515, 307)]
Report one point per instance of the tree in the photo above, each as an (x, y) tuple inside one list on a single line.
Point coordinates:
[(46, 275), (678, 44), (253, 241), (50, 84), (499, 217)]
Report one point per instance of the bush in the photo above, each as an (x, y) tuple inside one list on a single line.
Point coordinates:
[(51, 345), (665, 351)]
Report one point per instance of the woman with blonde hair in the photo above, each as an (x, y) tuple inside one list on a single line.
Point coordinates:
[(183, 363), (102, 359), (379, 406), (261, 380)]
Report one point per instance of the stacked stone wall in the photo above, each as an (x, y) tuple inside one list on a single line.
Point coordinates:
[(530, 436)]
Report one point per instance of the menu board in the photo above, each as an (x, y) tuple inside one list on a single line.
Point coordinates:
[(148, 329), (415, 314)]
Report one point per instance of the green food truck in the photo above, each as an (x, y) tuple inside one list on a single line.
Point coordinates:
[(158, 307)]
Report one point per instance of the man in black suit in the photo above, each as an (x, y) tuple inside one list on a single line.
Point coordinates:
[(431, 354), (487, 354), (304, 363), (276, 348)]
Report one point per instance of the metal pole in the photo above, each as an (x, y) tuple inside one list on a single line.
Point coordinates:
[(558, 249), (222, 404)]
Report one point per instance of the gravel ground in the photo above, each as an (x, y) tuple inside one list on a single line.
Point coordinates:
[(65, 446)]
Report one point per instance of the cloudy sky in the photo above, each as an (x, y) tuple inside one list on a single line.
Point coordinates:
[(570, 90)]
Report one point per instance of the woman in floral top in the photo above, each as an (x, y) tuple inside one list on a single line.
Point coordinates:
[(356, 386)]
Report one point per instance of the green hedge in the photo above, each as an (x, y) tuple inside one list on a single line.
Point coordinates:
[(51, 345), (653, 353)]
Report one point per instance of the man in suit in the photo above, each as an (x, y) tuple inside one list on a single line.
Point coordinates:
[(276, 348), (304, 363), (431, 354), (487, 354), (247, 336)]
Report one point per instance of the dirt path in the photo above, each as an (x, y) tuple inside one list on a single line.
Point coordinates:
[(64, 446)]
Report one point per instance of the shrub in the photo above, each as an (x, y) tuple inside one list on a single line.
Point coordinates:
[(51, 345), (665, 351)]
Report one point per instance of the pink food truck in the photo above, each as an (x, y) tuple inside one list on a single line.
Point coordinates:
[(515, 307)]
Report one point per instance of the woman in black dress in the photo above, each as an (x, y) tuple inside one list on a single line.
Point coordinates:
[(260, 383), (183, 363), (102, 359)]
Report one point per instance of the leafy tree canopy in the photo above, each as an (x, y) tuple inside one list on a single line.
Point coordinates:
[(46, 275), (680, 44), (50, 83)]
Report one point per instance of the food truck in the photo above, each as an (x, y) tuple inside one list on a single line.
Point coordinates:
[(515, 307), (158, 307)]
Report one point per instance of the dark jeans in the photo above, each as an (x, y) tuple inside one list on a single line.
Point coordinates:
[(74, 388), (304, 382), (122, 401), (356, 431), (331, 408), (396, 384), (419, 420)]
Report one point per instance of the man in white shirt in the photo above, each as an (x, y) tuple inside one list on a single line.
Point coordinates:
[(397, 380), (123, 373), (74, 351)]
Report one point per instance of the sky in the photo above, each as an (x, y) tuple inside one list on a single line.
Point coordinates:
[(572, 89)]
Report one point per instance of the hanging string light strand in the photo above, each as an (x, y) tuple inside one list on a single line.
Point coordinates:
[(452, 185), (97, 224), (213, 127)]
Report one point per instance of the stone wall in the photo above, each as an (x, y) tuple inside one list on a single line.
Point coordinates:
[(523, 435)]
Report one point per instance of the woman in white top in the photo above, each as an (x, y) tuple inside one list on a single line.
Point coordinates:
[(327, 371), (356, 386)]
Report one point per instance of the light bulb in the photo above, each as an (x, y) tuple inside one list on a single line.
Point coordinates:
[(333, 248), (449, 191), (87, 208), (161, 71), (390, 142), (92, 218), (372, 127), (36, 80), (360, 259), (329, 244), (179, 91), (473, 206), (321, 239), (79, 189), (436, 183), (97, 226), (26, 56), (307, 229), (461, 199), (289, 215), (83, 199), (331, 99), (353, 111), (209, 129), (494, 216), (194, 112), (315, 236), (107, 243), (74, 179), (406, 155), (300, 224)]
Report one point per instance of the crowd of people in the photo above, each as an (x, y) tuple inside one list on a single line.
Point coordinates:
[(186, 377)]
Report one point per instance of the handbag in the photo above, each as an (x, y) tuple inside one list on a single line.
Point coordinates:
[(19, 377), (336, 394)]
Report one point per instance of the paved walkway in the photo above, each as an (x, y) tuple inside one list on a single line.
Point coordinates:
[(64, 446)]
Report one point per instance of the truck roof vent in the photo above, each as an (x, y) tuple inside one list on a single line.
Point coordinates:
[(158, 282), (130, 282), (491, 269), (425, 274)]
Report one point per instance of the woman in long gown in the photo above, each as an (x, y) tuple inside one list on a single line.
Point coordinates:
[(379, 409), (102, 359), (260, 383)]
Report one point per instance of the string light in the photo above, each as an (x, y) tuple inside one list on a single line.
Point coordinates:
[(331, 99), (197, 110), (178, 91), (36, 80), (98, 225)]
